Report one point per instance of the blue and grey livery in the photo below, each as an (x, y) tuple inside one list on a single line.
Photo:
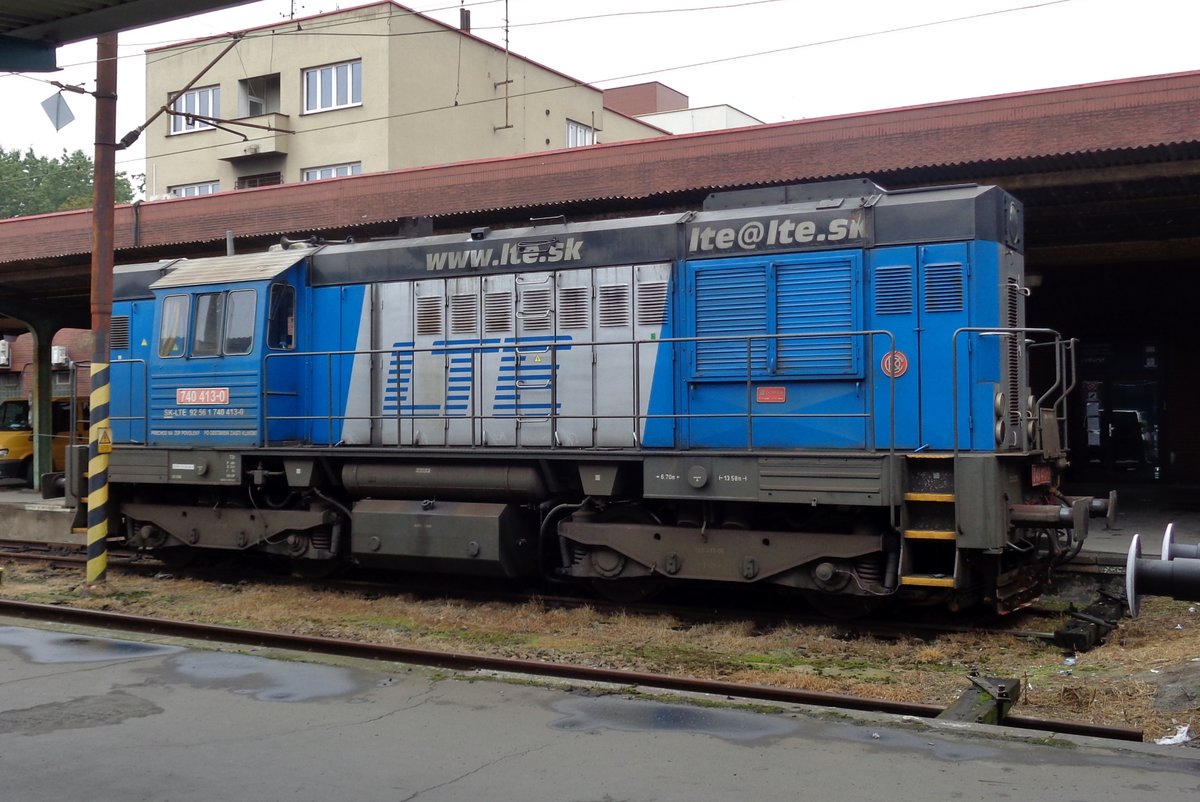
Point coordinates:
[(820, 386)]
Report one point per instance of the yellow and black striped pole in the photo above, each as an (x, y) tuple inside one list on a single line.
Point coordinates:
[(103, 198), (99, 445)]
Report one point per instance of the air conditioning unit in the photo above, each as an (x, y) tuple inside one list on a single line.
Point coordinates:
[(58, 356), (5, 354)]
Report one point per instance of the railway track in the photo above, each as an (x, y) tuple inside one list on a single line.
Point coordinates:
[(768, 613), (458, 661)]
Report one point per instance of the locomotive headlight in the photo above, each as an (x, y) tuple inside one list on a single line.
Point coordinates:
[(1000, 408), (3, 453)]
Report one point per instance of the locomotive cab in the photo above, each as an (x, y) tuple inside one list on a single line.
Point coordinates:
[(200, 350)]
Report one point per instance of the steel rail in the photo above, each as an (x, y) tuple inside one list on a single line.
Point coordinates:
[(466, 662), (877, 629)]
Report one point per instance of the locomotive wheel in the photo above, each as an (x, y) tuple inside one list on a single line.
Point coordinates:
[(634, 589)]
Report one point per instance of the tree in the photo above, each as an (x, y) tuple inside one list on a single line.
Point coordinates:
[(32, 184)]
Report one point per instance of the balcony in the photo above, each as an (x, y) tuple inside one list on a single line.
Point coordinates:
[(266, 135)]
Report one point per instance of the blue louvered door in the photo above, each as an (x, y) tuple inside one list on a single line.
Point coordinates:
[(768, 367), (895, 308), (943, 272)]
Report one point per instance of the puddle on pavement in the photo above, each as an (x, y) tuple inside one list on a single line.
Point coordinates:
[(260, 677), (631, 715), (40, 646), (265, 679)]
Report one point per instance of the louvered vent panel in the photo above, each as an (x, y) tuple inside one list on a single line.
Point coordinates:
[(944, 288), (1012, 346), (497, 312), (652, 303), (574, 307), (464, 314), (615, 305), (894, 290), (730, 302), (812, 299), (429, 315), (118, 332), (535, 309)]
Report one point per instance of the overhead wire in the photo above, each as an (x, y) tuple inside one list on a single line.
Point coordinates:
[(317, 28)]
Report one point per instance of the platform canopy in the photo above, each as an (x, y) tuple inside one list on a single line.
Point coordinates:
[(31, 30)]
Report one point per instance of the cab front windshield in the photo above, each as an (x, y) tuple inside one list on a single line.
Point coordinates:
[(14, 415)]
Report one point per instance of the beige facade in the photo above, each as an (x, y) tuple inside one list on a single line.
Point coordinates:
[(372, 88)]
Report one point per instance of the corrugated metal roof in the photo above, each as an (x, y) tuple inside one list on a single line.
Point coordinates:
[(1088, 161), (63, 21), (1134, 121), (229, 269)]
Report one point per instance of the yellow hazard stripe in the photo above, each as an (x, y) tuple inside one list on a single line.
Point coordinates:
[(97, 497)]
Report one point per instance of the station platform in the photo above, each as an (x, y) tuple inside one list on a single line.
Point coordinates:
[(1141, 509)]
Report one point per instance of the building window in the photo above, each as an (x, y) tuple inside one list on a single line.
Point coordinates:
[(332, 171), (258, 95), (334, 86), (579, 134), (202, 102), (260, 180), (192, 190)]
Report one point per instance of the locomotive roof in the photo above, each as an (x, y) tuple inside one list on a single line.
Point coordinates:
[(133, 281), (228, 269), (871, 216)]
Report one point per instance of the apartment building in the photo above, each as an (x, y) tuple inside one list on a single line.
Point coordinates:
[(365, 89), (663, 107)]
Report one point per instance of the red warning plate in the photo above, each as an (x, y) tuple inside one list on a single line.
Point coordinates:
[(770, 395)]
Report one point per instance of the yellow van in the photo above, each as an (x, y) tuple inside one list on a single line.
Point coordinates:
[(16, 435)]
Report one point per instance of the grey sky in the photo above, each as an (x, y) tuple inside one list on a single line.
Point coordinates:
[(774, 59)]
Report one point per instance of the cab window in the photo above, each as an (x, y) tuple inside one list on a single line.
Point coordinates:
[(173, 330), (239, 322), (210, 320), (281, 327)]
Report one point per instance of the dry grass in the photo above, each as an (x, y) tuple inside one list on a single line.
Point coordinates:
[(1147, 676)]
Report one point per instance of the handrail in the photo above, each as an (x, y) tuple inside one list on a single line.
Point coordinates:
[(636, 416), (1022, 356), (144, 418)]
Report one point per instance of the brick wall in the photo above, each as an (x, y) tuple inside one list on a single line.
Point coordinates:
[(17, 379)]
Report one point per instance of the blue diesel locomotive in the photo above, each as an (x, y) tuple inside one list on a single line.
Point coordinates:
[(826, 387)]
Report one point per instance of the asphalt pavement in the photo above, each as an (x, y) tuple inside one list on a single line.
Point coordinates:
[(89, 717)]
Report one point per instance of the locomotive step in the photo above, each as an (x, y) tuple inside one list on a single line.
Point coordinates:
[(928, 580), (946, 498), (930, 534)]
